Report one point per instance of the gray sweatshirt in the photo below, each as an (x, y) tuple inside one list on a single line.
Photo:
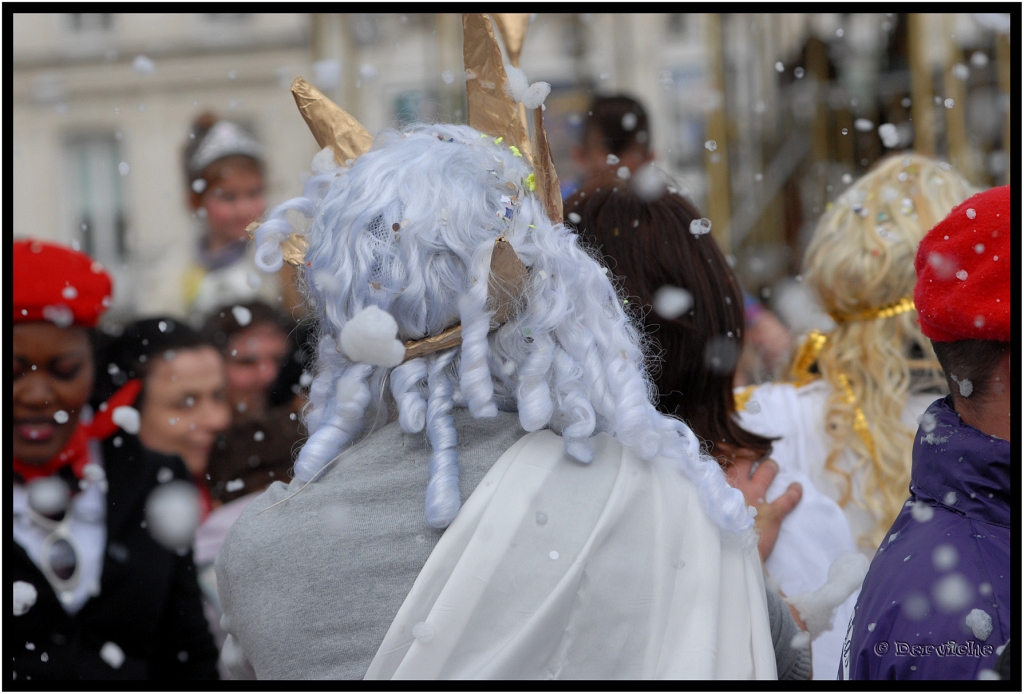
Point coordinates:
[(310, 587)]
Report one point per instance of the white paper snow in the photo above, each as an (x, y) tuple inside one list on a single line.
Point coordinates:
[(980, 623), (172, 514), (127, 418), (671, 302), (112, 654), (519, 88), (24, 597)]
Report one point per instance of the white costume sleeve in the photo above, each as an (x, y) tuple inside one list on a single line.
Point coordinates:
[(558, 570), (817, 530)]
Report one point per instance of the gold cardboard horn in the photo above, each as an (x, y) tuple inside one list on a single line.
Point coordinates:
[(332, 127), (330, 124), (544, 169), (491, 109), (512, 26)]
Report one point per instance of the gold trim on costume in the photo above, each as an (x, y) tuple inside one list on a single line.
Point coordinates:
[(740, 398), (888, 311), (800, 372)]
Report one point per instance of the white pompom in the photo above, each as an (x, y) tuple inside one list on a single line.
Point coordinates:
[(371, 337)]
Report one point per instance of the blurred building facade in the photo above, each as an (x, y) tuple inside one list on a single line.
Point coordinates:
[(760, 118)]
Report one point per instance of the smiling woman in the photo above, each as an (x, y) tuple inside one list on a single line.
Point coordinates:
[(80, 492), (53, 378), (182, 404)]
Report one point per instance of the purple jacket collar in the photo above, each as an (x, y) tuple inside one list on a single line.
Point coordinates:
[(956, 457)]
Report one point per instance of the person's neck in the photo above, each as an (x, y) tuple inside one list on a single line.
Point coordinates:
[(990, 415), (215, 244)]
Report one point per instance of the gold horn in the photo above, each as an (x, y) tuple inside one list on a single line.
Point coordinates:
[(491, 109), (544, 168), (512, 27), (332, 127), (330, 124)]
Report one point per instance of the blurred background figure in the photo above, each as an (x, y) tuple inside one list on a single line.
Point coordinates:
[(183, 402), (616, 143), (257, 447), (688, 302), (104, 584), (616, 134), (848, 418), (224, 171), (264, 392), (183, 410)]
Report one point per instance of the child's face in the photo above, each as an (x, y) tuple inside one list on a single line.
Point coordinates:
[(232, 202)]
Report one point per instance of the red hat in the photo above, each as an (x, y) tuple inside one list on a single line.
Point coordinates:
[(963, 272), (58, 284)]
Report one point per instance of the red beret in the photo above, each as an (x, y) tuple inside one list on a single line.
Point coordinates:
[(963, 272), (58, 284)]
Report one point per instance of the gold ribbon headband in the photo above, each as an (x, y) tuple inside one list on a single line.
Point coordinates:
[(806, 356), (888, 311), (800, 375), (505, 287)]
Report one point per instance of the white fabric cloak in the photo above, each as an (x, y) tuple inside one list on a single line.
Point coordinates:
[(558, 570)]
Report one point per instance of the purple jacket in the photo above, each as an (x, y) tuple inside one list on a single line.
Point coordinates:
[(935, 603)]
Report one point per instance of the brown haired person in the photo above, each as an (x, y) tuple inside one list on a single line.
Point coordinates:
[(615, 134), (225, 180), (256, 449), (96, 595), (660, 251), (616, 144)]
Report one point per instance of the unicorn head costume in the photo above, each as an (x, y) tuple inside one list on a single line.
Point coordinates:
[(418, 228)]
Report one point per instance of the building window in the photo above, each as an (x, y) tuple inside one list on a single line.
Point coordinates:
[(97, 197)]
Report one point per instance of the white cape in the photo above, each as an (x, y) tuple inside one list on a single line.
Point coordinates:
[(557, 570)]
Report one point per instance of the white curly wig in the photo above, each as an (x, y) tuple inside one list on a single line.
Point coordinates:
[(410, 228)]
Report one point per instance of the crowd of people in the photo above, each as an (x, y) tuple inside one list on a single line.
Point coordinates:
[(469, 439)]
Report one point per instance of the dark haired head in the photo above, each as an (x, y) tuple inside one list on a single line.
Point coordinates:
[(129, 355), (223, 323), (648, 245), (617, 124), (968, 366)]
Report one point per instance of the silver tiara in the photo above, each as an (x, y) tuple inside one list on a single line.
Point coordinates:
[(223, 140)]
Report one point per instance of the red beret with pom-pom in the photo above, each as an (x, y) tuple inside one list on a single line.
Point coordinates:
[(58, 284), (963, 272)]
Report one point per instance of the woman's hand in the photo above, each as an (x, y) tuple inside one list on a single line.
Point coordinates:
[(752, 476)]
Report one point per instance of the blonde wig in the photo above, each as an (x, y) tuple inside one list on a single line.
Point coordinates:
[(859, 262)]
